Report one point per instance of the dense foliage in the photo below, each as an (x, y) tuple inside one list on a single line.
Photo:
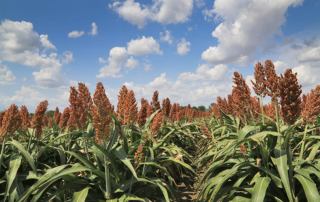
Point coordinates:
[(92, 152)]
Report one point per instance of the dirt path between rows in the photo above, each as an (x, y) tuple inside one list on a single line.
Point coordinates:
[(187, 187)]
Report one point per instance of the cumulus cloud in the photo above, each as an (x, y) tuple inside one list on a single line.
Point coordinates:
[(31, 98), (94, 30), (280, 66), (6, 76), (68, 57), (205, 73), (131, 63), (307, 76), (238, 35), (19, 43), (202, 93), (143, 46), (166, 37), (75, 34), (117, 56), (200, 3), (162, 11), (46, 43), (102, 61), (183, 47), (312, 55)]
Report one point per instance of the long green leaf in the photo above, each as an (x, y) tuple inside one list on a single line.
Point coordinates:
[(25, 154), (308, 185), (11, 175), (119, 152), (260, 188), (281, 161), (80, 196)]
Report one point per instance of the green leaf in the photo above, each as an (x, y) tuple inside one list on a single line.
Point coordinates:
[(25, 154), (260, 188), (84, 160), (11, 175), (80, 196), (308, 185), (281, 161), (90, 130), (131, 197), (124, 134), (119, 152), (113, 139)]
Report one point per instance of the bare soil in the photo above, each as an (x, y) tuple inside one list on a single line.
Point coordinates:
[(187, 187)]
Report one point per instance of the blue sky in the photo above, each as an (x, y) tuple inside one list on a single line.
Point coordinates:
[(185, 49)]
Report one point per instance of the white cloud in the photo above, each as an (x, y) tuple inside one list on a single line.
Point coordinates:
[(131, 63), (6, 76), (102, 61), (75, 34), (280, 67), (307, 76), (19, 43), (205, 73), (162, 11), (143, 46), (24, 79), (239, 35), (147, 66), (49, 77), (31, 98), (46, 43), (167, 37), (94, 30), (68, 57), (312, 55), (200, 3), (183, 47), (202, 93), (117, 56), (190, 29)]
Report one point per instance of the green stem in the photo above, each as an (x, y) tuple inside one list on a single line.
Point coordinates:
[(85, 144), (2, 150), (277, 115), (303, 142), (30, 139), (261, 104)]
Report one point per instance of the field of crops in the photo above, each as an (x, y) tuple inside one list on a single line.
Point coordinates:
[(92, 152)]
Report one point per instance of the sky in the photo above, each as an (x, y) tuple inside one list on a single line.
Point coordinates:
[(185, 49)]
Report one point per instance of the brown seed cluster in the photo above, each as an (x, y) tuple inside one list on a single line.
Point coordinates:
[(10, 122), (142, 115), (166, 107), (25, 118), (156, 124), (50, 122), (84, 93), (205, 131), (272, 80), (311, 106), (130, 109), (100, 113), (243, 149), (122, 104), (139, 154), (36, 122), (57, 116), (155, 103), (259, 86), (64, 118), (290, 92)]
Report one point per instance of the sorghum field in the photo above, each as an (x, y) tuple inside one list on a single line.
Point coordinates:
[(244, 149)]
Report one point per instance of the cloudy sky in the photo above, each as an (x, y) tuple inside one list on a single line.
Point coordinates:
[(185, 49)]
